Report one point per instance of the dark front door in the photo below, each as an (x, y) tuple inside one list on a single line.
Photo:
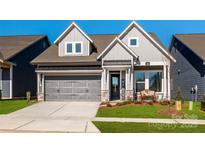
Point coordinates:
[(115, 86)]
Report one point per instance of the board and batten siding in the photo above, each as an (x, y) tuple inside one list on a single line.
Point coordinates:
[(187, 78), (117, 52), (75, 36), (5, 83), (146, 51)]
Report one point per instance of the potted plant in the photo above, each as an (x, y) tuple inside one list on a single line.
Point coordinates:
[(203, 104)]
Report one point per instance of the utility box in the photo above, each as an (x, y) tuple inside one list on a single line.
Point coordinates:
[(178, 105), (190, 105)]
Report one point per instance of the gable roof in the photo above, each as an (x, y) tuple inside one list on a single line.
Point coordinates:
[(73, 25), (117, 40), (101, 41), (195, 42), (12, 45), (153, 41)]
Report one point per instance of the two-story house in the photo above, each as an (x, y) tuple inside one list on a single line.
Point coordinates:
[(103, 67), (17, 75), (189, 70)]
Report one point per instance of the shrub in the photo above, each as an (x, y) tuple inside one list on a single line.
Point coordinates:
[(179, 96), (164, 102), (137, 102), (109, 105)]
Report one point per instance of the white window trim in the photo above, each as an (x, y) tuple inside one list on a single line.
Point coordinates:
[(74, 48), (146, 81), (133, 45)]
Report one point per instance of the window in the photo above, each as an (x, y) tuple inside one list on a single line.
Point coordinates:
[(151, 80), (73, 47), (140, 81), (69, 48), (155, 81), (133, 42), (78, 47)]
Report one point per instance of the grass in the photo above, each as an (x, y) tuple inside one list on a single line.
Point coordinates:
[(117, 127), (148, 111), (8, 106)]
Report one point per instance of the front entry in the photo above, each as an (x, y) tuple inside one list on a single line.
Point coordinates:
[(115, 86)]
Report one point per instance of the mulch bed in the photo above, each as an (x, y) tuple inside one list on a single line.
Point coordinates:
[(171, 111)]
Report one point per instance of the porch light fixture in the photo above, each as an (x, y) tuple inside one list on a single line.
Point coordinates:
[(178, 71), (147, 63), (136, 61)]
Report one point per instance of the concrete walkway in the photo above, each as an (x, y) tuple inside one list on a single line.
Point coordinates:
[(72, 117), (151, 120)]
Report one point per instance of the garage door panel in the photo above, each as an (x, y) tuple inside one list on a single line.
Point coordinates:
[(80, 90), (65, 83), (52, 90), (64, 97), (51, 84), (66, 90), (51, 97), (73, 88), (79, 84)]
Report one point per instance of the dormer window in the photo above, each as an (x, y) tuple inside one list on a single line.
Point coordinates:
[(78, 47), (73, 48), (69, 48), (133, 42)]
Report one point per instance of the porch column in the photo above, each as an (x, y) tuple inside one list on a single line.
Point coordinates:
[(129, 84), (1, 79), (168, 82), (11, 81), (164, 81), (40, 84), (105, 85)]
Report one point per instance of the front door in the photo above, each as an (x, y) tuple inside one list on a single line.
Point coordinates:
[(115, 86)]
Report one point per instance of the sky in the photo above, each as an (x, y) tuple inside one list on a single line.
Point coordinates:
[(164, 29)]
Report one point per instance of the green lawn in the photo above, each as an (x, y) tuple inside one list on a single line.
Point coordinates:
[(8, 106), (117, 127), (147, 111)]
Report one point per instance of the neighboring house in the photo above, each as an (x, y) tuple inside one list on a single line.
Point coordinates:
[(17, 75), (189, 70), (104, 67)]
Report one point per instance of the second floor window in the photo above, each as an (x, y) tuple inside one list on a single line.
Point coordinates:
[(73, 48)]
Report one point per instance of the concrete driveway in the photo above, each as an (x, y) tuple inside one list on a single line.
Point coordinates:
[(52, 117)]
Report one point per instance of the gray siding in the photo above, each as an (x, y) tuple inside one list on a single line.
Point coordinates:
[(5, 83), (188, 77), (117, 52), (146, 50), (75, 36)]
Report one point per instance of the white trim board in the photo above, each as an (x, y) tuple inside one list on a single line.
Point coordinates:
[(68, 29), (68, 71), (133, 23), (117, 40)]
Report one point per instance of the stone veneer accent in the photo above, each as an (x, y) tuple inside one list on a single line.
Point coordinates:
[(40, 97), (105, 95), (122, 94), (129, 94)]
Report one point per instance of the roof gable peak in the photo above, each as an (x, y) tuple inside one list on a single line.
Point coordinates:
[(117, 40), (72, 25), (136, 25)]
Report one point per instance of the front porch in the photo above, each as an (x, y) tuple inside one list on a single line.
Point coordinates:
[(125, 80)]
